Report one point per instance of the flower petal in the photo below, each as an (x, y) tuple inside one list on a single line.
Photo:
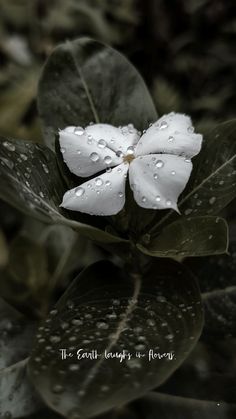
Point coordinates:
[(83, 154), (117, 139), (104, 195), (171, 134), (157, 180)]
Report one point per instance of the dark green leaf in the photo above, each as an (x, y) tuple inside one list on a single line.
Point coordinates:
[(15, 335), (107, 310), (189, 236), (169, 407), (207, 374), (213, 181), (84, 81), (30, 181), (17, 397), (220, 312), (217, 278)]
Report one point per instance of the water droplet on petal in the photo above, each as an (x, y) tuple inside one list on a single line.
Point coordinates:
[(130, 150), (170, 139), (168, 202), (63, 150), (158, 198), (108, 160), (102, 143), (94, 157), (119, 153), (173, 172), (107, 183), (159, 164), (155, 176), (79, 131), (144, 199), (187, 160), (163, 125), (120, 194), (79, 191), (190, 130), (99, 181)]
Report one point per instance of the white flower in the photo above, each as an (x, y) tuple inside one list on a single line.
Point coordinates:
[(158, 163)]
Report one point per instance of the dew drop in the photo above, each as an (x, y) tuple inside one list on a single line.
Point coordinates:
[(130, 150), (99, 181), (79, 191), (140, 347), (144, 199), (187, 160), (45, 168), (102, 325), (159, 164), (168, 202), (108, 160), (133, 363), (9, 146), (107, 183), (79, 131), (155, 176), (94, 157), (120, 194), (163, 125), (158, 198), (190, 130), (173, 172), (102, 143), (119, 153), (74, 367), (170, 139)]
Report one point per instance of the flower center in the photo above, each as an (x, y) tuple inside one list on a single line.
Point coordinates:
[(128, 158)]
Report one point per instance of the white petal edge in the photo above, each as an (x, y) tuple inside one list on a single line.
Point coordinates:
[(83, 155), (171, 134), (157, 180), (117, 139), (103, 195)]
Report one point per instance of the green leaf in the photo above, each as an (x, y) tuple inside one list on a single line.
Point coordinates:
[(207, 374), (85, 80), (105, 309), (17, 397), (189, 236), (30, 182), (217, 278), (212, 184), (169, 407), (15, 335)]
